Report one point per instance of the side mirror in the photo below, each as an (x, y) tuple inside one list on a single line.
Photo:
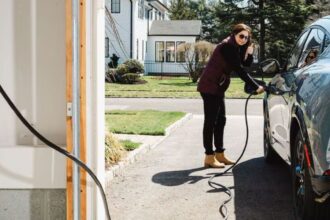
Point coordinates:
[(270, 66)]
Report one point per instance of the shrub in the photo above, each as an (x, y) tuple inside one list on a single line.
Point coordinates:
[(122, 69), (134, 66), (114, 150), (127, 72), (110, 76), (114, 61), (131, 78)]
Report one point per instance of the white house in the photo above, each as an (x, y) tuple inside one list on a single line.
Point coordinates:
[(35, 71), (141, 29), (164, 39)]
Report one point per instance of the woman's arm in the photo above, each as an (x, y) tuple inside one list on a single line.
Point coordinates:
[(231, 55), (248, 60)]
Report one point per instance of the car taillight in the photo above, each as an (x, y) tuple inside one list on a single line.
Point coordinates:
[(307, 156), (326, 173)]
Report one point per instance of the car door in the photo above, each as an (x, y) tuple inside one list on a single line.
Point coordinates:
[(309, 86), (278, 103)]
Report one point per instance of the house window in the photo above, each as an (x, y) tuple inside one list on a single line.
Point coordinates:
[(159, 51), (137, 49), (115, 6), (141, 9), (170, 51), (146, 14), (180, 54), (151, 15), (106, 47)]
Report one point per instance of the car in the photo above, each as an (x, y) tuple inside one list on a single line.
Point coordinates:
[(296, 110)]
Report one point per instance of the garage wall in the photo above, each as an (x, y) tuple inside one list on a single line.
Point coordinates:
[(32, 71)]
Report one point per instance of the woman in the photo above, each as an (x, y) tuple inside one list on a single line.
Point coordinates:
[(228, 57)]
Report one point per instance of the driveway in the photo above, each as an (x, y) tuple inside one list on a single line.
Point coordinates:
[(170, 182)]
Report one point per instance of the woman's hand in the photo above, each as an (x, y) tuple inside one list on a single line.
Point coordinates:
[(250, 49), (260, 89)]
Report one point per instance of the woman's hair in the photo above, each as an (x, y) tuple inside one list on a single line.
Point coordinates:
[(242, 27)]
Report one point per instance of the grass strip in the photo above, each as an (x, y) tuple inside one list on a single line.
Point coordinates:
[(170, 87), (147, 122)]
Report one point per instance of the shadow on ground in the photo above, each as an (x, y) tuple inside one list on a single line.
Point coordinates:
[(261, 191), (179, 177)]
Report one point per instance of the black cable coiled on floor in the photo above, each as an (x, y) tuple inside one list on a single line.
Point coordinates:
[(58, 149), (223, 208)]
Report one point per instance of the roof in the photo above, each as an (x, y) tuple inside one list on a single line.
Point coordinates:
[(175, 28)]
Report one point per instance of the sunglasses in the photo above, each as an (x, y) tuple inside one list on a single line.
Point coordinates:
[(242, 36)]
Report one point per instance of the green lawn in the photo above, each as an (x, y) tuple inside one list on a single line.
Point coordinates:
[(129, 145), (148, 122), (169, 87)]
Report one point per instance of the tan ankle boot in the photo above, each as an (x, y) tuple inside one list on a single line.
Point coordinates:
[(223, 159), (210, 161)]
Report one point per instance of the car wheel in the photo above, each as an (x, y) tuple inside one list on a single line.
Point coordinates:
[(301, 187), (305, 207), (269, 153)]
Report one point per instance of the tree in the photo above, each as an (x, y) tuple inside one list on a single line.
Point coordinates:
[(275, 23), (181, 10), (196, 56)]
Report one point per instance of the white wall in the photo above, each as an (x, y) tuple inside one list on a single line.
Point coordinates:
[(32, 71), (123, 24), (140, 34)]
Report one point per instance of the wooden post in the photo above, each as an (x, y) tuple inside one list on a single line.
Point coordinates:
[(82, 63), (83, 105)]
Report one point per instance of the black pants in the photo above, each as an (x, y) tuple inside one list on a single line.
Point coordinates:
[(214, 122)]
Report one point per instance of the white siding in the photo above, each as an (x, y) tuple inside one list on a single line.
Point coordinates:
[(140, 33), (123, 25), (122, 21)]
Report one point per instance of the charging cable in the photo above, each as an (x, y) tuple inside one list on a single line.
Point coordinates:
[(223, 208), (58, 149), (269, 89)]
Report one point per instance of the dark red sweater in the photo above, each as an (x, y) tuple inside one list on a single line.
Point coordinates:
[(227, 57)]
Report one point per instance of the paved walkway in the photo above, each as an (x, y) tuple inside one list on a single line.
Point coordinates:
[(169, 182)]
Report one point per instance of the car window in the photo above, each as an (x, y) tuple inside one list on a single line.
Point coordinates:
[(312, 48), (326, 52), (295, 54), (326, 42)]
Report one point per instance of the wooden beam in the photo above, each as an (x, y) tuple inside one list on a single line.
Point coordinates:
[(68, 39), (82, 64), (83, 105)]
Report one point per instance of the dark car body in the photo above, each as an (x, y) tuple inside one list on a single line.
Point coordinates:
[(297, 114)]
